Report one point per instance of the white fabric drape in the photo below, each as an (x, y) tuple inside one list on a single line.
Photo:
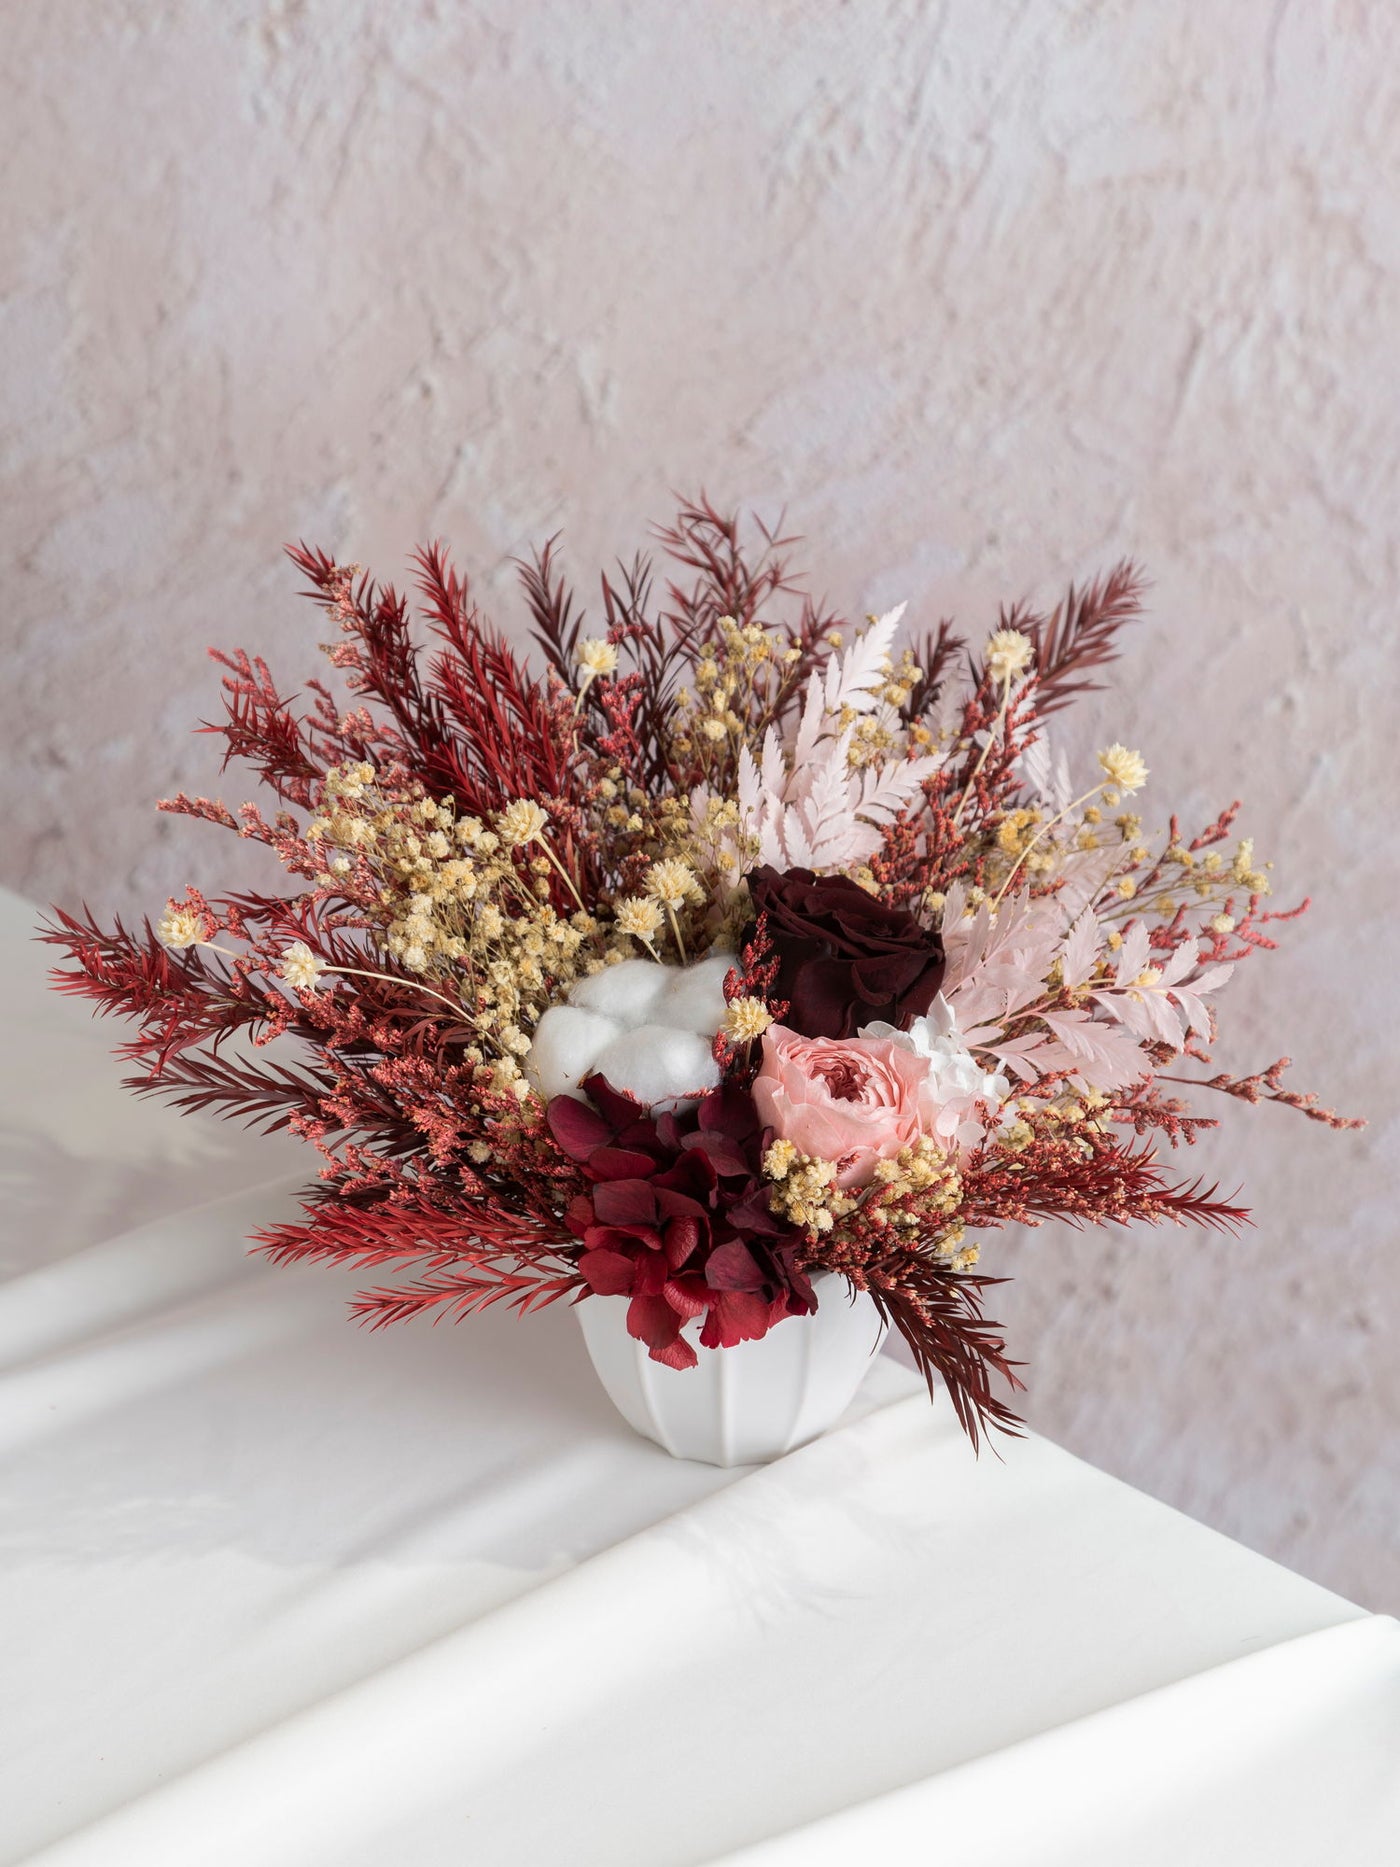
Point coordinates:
[(276, 1590)]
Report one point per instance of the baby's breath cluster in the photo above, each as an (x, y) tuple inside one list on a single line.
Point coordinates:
[(804, 1190), (743, 664), (715, 841), (883, 733), (465, 905), (1074, 1115), (917, 1192), (912, 1200)]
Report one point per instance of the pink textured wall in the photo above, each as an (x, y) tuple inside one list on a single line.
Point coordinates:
[(984, 296)]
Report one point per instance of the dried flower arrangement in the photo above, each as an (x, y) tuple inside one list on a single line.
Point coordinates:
[(735, 946)]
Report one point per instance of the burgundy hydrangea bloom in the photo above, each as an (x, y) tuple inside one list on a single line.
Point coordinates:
[(677, 1218), (844, 958)]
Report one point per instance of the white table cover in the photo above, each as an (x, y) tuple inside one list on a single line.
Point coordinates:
[(278, 1592)]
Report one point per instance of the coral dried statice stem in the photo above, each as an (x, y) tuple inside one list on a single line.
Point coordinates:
[(1266, 1086)]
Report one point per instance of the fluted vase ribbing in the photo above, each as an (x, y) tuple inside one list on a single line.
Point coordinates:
[(743, 1405)]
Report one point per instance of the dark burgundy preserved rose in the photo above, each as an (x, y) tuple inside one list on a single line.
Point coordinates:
[(844, 958)]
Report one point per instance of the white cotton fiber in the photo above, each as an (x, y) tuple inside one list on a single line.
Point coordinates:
[(627, 992), (694, 999), (646, 1027), (657, 1064), (567, 1042)]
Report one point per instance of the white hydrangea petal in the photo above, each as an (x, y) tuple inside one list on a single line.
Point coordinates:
[(955, 1086), (628, 992), (694, 998), (567, 1043), (658, 1064), (941, 1018)]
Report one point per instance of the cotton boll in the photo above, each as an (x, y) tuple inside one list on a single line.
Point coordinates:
[(694, 999), (627, 992), (567, 1042), (646, 1027), (657, 1064)]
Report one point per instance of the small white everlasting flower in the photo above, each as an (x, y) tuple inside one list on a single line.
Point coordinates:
[(1009, 653), (179, 927), (595, 656), (301, 968), (522, 822), (746, 1019), (1124, 768), (672, 883)]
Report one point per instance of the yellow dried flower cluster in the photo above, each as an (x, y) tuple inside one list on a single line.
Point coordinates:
[(1206, 875), (804, 1190), (1073, 1115), (455, 905), (952, 1249), (1245, 873), (878, 736), (742, 660), (922, 1170), (917, 1190), (713, 844), (1016, 830)]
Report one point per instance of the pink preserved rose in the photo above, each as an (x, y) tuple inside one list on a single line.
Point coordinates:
[(850, 1100)]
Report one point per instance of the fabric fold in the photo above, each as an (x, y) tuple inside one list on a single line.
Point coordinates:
[(138, 1275), (814, 1636), (1288, 1756)]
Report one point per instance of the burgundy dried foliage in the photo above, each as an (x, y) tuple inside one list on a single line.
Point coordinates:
[(1080, 636)]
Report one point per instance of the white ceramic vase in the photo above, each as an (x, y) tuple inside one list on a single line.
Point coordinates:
[(747, 1404)]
